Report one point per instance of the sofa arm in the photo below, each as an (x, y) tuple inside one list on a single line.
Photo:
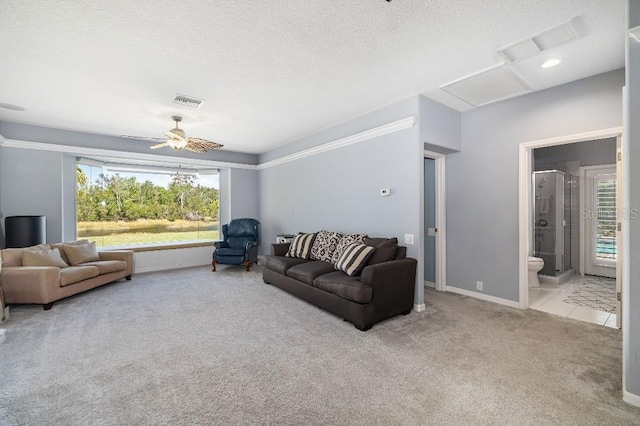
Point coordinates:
[(393, 283), (279, 249), (125, 255), (30, 284)]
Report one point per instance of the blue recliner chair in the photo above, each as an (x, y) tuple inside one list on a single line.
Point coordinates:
[(239, 246)]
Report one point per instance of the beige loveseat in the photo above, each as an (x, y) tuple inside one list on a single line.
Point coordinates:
[(87, 268)]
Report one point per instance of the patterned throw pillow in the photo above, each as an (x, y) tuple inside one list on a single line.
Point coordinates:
[(325, 245), (301, 246), (354, 258), (344, 242)]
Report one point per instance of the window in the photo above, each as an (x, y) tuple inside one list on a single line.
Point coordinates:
[(125, 204), (606, 244)]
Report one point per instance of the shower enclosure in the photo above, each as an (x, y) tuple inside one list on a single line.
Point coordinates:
[(554, 210)]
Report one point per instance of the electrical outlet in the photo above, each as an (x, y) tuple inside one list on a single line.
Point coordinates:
[(479, 285), (408, 239)]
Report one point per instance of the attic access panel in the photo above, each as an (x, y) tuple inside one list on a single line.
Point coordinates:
[(487, 86)]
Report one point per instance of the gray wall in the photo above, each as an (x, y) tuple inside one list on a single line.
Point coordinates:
[(591, 153), (32, 184), (632, 332), (482, 179), (339, 190), (440, 128), (239, 194)]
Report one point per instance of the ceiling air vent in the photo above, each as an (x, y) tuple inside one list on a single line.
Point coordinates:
[(487, 86), (188, 101), (532, 46)]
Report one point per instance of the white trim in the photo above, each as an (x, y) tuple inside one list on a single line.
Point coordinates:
[(396, 126), (419, 308), (525, 156), (481, 296), (430, 284), (79, 151), (634, 33), (441, 219), (631, 398)]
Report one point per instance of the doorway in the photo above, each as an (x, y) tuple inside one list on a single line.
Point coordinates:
[(602, 244), (434, 247)]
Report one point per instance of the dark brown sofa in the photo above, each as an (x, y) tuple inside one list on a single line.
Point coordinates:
[(382, 290)]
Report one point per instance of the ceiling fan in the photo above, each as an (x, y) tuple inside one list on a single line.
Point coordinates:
[(178, 140)]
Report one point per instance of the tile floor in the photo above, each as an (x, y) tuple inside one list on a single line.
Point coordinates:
[(548, 298)]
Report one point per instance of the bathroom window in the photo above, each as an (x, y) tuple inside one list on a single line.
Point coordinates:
[(606, 244)]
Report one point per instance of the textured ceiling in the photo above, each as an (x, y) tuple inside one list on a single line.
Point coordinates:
[(271, 72)]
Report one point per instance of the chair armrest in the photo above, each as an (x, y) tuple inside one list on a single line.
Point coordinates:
[(220, 244), (30, 284), (279, 249), (251, 244), (393, 281)]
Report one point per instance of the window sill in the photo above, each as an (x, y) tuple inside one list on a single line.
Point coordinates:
[(139, 248)]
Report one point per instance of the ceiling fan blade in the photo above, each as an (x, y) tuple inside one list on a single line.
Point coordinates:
[(142, 138), (160, 145), (201, 145)]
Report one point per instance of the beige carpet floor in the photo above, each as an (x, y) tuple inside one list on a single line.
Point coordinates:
[(192, 347)]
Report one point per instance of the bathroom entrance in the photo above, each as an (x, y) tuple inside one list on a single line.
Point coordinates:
[(433, 248), (572, 229)]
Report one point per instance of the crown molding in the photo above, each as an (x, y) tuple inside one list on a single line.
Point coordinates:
[(81, 151), (396, 126)]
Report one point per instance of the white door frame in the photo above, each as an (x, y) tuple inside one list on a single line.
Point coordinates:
[(441, 238), (525, 158)]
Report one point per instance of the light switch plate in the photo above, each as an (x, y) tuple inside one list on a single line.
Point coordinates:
[(408, 239)]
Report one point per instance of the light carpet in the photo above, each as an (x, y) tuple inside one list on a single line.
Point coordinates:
[(597, 293), (192, 347)]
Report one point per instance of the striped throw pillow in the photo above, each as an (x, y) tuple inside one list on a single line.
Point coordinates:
[(301, 246), (354, 258)]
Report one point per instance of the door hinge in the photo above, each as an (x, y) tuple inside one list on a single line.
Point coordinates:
[(619, 156), (619, 227), (619, 297)]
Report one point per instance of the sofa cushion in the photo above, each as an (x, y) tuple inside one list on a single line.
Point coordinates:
[(81, 253), (301, 246), (13, 256), (60, 246), (107, 266), (344, 286), (43, 258), (308, 271), (344, 242), (74, 274), (325, 245), (354, 258), (281, 264), (385, 249)]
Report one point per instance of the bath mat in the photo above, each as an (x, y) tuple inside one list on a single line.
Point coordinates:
[(598, 293)]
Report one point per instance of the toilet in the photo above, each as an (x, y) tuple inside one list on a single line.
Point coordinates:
[(535, 264)]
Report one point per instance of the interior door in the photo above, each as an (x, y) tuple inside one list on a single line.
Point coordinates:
[(430, 222), (601, 243)]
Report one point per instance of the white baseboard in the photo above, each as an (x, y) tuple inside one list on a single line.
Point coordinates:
[(485, 297), (631, 398), (419, 308), (429, 284)]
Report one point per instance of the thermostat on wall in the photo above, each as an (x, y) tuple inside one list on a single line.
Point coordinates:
[(385, 192)]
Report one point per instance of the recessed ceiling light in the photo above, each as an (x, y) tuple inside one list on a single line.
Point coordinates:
[(11, 107), (550, 63)]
